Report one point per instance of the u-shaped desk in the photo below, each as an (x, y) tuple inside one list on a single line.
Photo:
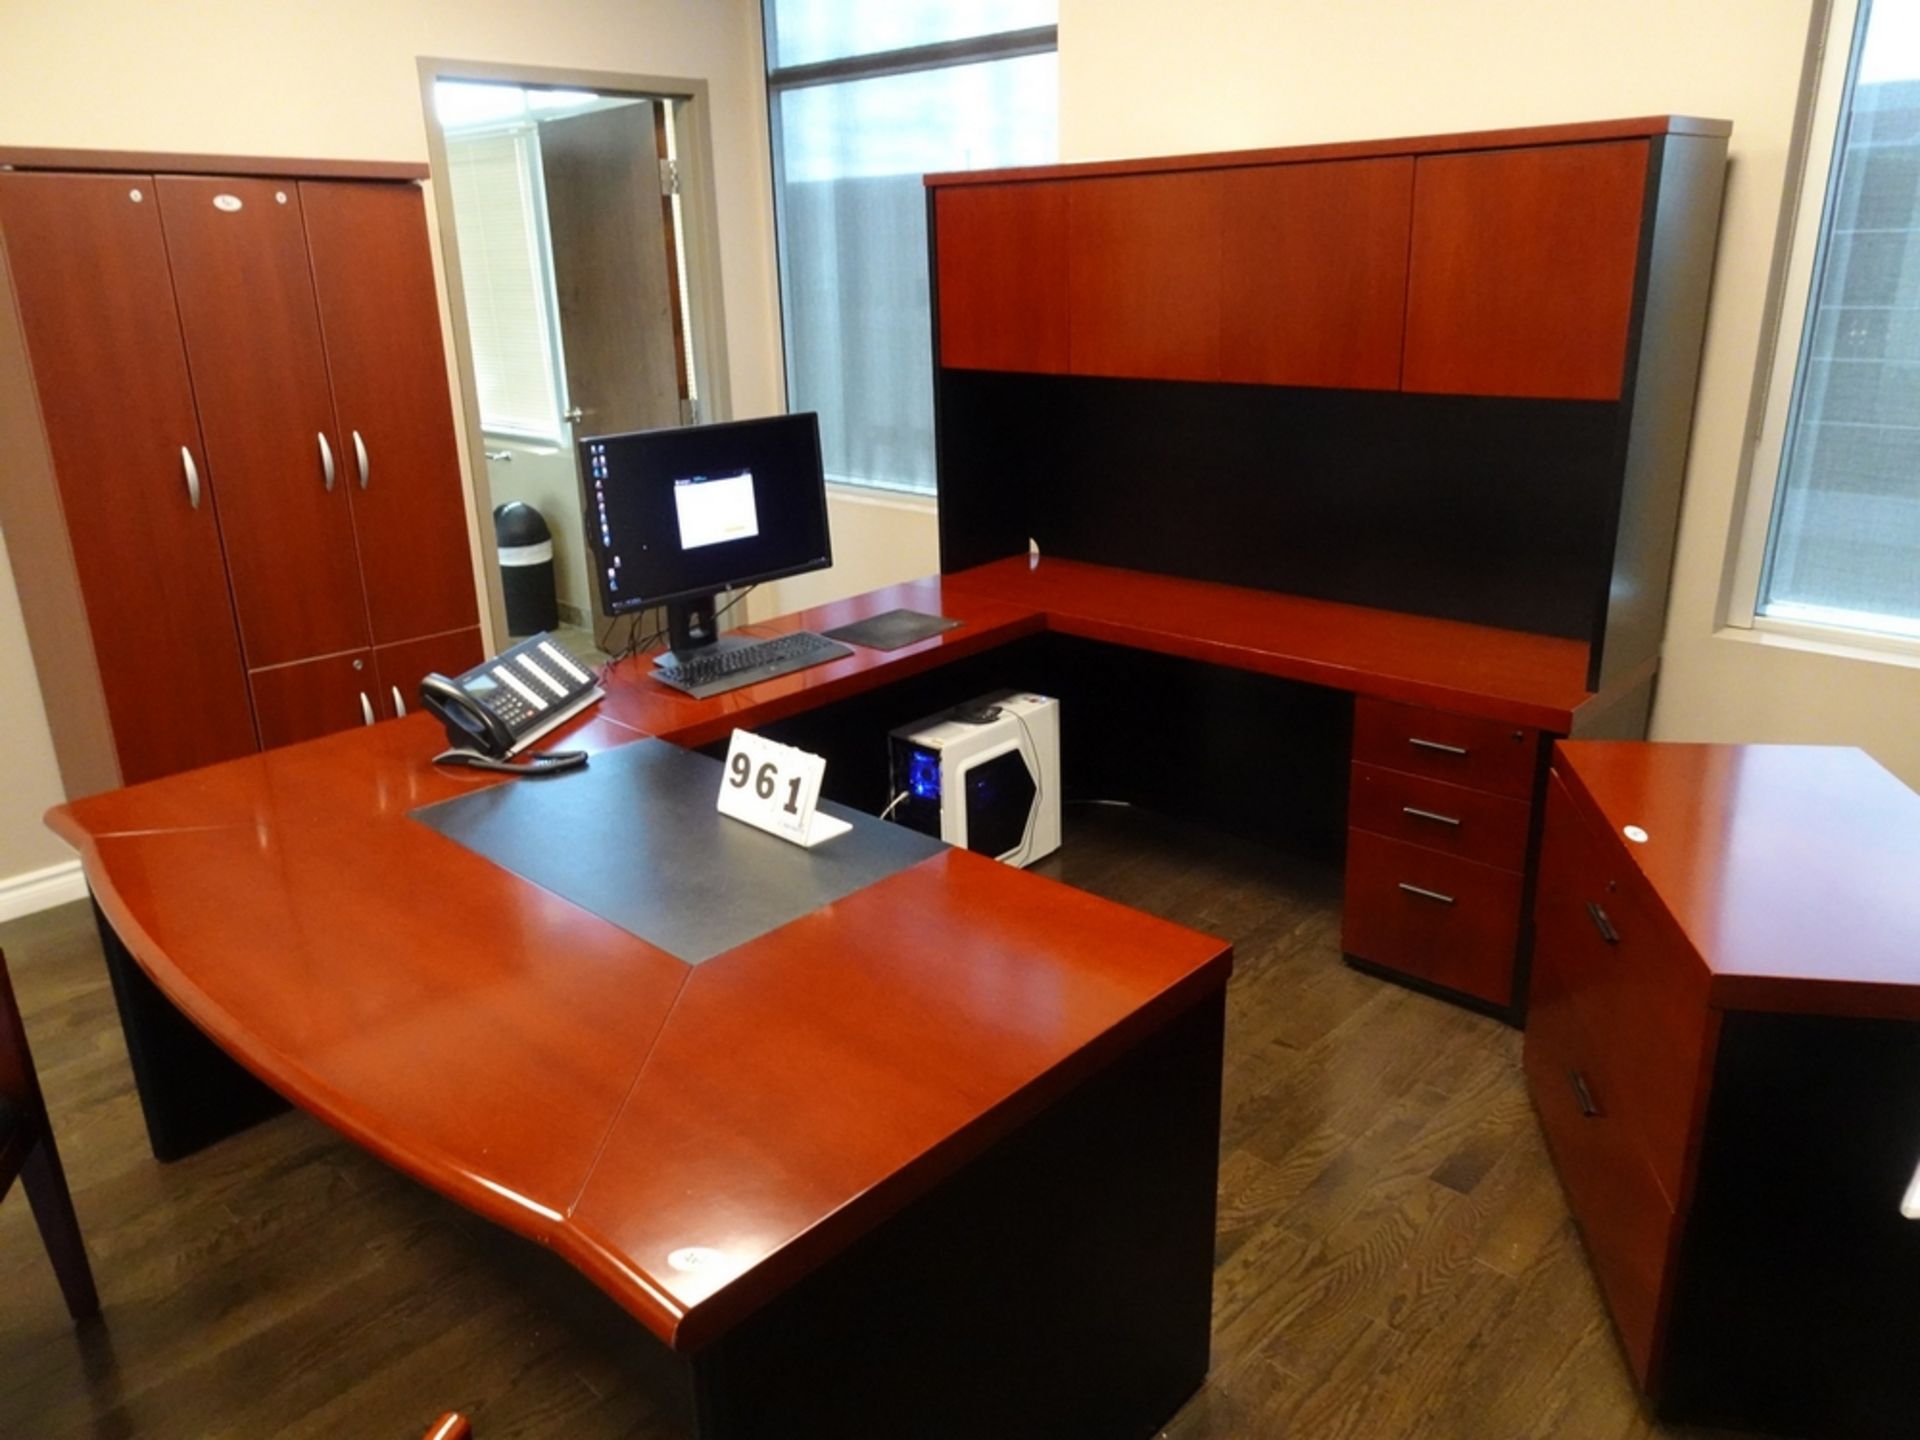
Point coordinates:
[(935, 1158)]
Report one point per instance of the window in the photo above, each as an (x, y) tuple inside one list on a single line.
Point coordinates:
[(495, 179), (1839, 451), (865, 97)]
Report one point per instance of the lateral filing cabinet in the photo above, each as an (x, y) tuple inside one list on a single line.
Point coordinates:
[(1723, 1049), (234, 504), (1439, 814)]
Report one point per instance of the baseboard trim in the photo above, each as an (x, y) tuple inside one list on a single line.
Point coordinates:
[(35, 890)]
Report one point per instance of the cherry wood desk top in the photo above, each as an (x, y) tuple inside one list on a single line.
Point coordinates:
[(1535, 680), (573, 1083), (1793, 870)]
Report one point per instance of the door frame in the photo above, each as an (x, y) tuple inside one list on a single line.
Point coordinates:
[(706, 317)]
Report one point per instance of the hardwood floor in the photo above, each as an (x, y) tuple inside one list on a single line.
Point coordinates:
[(1394, 1255)]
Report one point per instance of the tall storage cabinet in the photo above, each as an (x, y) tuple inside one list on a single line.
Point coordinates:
[(232, 493)]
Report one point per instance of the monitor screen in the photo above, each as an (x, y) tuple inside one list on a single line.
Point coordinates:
[(679, 514)]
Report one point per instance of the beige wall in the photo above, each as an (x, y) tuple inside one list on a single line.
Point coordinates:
[(26, 750), (878, 539), (270, 77), (1137, 78)]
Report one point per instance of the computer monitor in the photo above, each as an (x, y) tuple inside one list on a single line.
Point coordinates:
[(675, 516)]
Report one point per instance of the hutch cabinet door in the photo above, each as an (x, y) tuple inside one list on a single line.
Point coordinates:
[(379, 315), (1143, 276), (95, 302), (1314, 273), (1002, 257), (1522, 271), (239, 260)]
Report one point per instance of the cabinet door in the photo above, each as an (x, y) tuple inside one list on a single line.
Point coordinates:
[(315, 697), (1522, 271), (373, 277), (1313, 273), (1143, 276), (401, 667), (239, 261), (95, 301), (1002, 255)]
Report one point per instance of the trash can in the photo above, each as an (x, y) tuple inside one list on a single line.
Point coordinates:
[(526, 568)]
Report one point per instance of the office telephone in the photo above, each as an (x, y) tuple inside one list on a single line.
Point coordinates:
[(502, 705)]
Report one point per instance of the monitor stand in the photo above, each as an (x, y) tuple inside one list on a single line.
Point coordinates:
[(691, 631)]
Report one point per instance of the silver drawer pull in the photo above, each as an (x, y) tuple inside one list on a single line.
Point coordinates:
[(1602, 923), (193, 477), (1444, 749), (1433, 815), (1425, 894), (366, 709), (360, 458), (399, 705), (1910, 1205), (326, 463)]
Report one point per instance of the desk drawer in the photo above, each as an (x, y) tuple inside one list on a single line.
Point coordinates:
[(1450, 922), (1431, 813), (1440, 745), (1624, 1217)]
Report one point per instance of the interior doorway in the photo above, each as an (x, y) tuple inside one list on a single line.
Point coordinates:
[(575, 214)]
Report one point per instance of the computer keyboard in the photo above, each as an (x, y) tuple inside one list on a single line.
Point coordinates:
[(703, 676)]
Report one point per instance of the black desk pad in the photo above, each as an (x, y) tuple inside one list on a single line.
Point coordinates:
[(635, 839), (894, 630)]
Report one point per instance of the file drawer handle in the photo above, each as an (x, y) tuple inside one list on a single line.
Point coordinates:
[(1582, 1094), (1910, 1203), (366, 709), (1444, 749), (1426, 894), (192, 472), (1602, 923), (1434, 815)]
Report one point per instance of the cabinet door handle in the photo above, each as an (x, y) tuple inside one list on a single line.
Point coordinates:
[(399, 705), (366, 709), (1426, 894), (1442, 748), (193, 477), (1582, 1094), (1433, 815), (326, 463), (1910, 1203), (360, 458), (1602, 923)]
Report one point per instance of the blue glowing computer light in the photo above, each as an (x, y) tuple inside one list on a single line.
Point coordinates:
[(923, 773)]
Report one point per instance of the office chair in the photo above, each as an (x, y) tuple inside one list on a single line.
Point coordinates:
[(27, 1150)]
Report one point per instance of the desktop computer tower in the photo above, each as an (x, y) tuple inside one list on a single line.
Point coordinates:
[(984, 776)]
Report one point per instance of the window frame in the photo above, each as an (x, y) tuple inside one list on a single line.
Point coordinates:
[(913, 59), (1834, 44)]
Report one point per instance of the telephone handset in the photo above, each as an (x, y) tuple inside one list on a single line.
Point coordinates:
[(503, 705)]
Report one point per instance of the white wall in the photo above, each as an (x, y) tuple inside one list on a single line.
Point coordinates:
[(266, 77), (1140, 78)]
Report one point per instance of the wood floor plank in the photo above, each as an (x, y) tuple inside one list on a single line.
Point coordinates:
[(1393, 1257)]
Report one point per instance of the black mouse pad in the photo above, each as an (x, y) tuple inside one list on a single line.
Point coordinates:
[(635, 839), (894, 630)]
